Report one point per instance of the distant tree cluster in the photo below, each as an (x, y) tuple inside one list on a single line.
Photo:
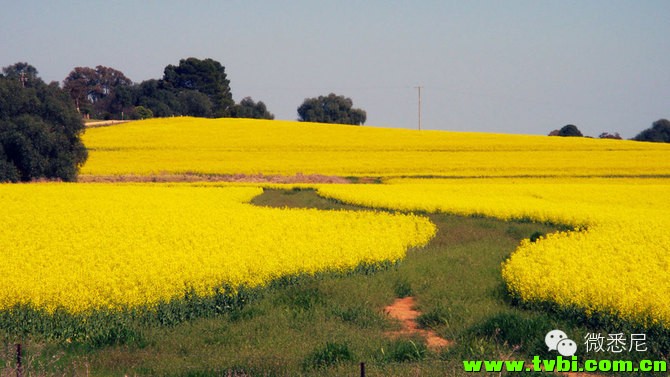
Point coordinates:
[(247, 108), (40, 128), (607, 135), (659, 132), (567, 131), (331, 109), (194, 87)]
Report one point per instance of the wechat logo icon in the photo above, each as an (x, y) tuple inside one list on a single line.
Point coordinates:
[(557, 340)]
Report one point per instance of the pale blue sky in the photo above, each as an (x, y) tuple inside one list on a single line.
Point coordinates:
[(496, 66)]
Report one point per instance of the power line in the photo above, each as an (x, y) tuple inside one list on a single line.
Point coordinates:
[(419, 110)]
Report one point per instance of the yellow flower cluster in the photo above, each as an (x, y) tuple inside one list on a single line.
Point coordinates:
[(617, 263), (109, 246), (243, 146)]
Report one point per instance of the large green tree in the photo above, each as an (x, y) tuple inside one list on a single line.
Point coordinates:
[(205, 76), (331, 109), (40, 130)]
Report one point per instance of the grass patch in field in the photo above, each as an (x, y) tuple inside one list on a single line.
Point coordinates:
[(404, 350), (436, 317), (329, 355), (402, 288)]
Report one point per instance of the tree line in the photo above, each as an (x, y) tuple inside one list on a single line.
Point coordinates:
[(194, 87), (659, 132), (41, 124)]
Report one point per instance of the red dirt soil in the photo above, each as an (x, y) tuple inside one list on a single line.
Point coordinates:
[(403, 310)]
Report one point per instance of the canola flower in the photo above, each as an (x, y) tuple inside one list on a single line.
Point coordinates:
[(616, 263), (575, 181), (244, 146), (83, 247)]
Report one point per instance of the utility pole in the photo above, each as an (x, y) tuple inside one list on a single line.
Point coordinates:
[(419, 89)]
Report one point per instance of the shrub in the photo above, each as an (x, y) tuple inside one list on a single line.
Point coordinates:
[(141, 112)]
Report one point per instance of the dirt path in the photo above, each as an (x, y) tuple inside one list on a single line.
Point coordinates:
[(403, 310), (103, 123)]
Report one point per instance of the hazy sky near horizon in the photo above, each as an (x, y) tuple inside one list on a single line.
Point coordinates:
[(497, 66)]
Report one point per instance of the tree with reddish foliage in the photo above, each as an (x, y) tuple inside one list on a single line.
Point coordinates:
[(607, 135), (95, 90)]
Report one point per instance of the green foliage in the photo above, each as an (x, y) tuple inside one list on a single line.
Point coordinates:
[(658, 133), (331, 109), (569, 130), (247, 108), (195, 103), (39, 132), (158, 97), (194, 87), (141, 112), (8, 171), (22, 72), (329, 355), (204, 76)]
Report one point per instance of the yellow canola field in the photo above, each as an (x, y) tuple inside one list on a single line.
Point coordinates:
[(243, 146), (106, 246), (618, 263)]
